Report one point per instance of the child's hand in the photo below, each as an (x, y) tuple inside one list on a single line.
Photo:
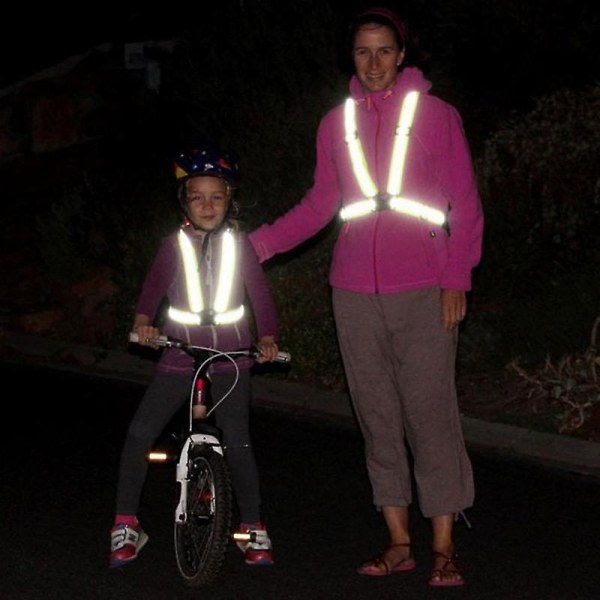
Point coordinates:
[(146, 332), (268, 349)]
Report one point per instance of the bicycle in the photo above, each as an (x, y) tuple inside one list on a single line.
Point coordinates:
[(204, 510)]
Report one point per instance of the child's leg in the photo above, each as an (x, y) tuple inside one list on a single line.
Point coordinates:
[(164, 395), (232, 417)]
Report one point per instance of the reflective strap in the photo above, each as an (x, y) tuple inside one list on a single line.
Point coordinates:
[(226, 273), (417, 209), (192, 277), (405, 122), (231, 316), (358, 209), (397, 203), (183, 316), (357, 156), (189, 318)]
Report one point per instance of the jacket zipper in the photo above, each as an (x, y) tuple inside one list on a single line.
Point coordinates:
[(375, 228)]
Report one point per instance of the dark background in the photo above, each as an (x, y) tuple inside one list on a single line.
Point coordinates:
[(542, 43)]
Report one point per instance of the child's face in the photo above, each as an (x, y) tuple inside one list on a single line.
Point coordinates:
[(206, 201)]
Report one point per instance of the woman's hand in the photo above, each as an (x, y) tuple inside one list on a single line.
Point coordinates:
[(268, 349), (454, 308)]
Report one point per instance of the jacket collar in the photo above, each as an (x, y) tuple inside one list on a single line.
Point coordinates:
[(410, 78)]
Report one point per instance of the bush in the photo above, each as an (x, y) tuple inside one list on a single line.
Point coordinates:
[(540, 186), (540, 183), (569, 388)]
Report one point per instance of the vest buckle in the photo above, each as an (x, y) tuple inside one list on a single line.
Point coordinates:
[(207, 316), (382, 201)]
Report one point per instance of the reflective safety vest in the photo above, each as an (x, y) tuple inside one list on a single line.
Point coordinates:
[(220, 313), (393, 199)]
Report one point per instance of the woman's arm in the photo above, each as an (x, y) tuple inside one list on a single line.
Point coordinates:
[(316, 209)]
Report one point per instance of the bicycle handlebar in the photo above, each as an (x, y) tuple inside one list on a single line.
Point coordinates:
[(169, 342)]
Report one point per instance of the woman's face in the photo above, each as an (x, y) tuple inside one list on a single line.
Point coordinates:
[(206, 201), (376, 57)]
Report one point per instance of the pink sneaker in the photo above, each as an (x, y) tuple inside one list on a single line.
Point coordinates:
[(253, 540), (125, 543)]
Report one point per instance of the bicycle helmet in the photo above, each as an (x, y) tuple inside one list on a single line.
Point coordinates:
[(206, 159)]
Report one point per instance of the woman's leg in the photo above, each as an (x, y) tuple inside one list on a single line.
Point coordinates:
[(366, 352), (425, 368), (369, 367), (445, 571)]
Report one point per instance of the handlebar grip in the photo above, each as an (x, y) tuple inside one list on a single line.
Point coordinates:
[(134, 338), (283, 357)]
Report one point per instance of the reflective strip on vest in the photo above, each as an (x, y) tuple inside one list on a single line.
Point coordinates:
[(197, 314), (395, 200)]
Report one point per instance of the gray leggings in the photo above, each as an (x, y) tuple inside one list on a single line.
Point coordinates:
[(163, 397)]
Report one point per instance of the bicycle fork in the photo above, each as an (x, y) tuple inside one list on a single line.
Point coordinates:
[(183, 468)]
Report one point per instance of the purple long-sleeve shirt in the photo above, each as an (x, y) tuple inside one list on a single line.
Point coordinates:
[(386, 252), (166, 279)]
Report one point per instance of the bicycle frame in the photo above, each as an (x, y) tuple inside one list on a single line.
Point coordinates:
[(203, 511), (182, 469), (202, 358)]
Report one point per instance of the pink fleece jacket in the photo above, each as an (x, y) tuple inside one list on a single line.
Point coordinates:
[(387, 252)]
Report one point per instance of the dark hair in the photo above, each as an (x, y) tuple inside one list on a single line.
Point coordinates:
[(384, 16)]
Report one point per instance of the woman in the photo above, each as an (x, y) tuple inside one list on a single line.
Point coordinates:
[(393, 163)]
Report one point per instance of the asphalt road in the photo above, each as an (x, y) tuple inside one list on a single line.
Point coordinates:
[(534, 531)]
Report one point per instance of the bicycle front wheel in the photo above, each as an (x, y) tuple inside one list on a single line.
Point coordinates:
[(202, 540)]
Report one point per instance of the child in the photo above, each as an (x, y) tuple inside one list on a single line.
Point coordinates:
[(193, 270)]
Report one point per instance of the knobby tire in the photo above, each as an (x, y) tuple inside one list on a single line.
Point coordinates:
[(201, 542)]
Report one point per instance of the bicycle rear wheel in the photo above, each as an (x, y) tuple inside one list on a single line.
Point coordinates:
[(202, 540)]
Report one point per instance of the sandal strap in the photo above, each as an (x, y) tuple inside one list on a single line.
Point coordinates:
[(380, 560), (450, 560)]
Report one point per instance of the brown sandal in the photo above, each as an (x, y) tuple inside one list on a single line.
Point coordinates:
[(373, 567), (439, 577)]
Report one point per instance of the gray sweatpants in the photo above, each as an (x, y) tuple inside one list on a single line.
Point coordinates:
[(400, 363)]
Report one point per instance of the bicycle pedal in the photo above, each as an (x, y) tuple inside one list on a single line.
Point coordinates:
[(160, 457), (250, 536)]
